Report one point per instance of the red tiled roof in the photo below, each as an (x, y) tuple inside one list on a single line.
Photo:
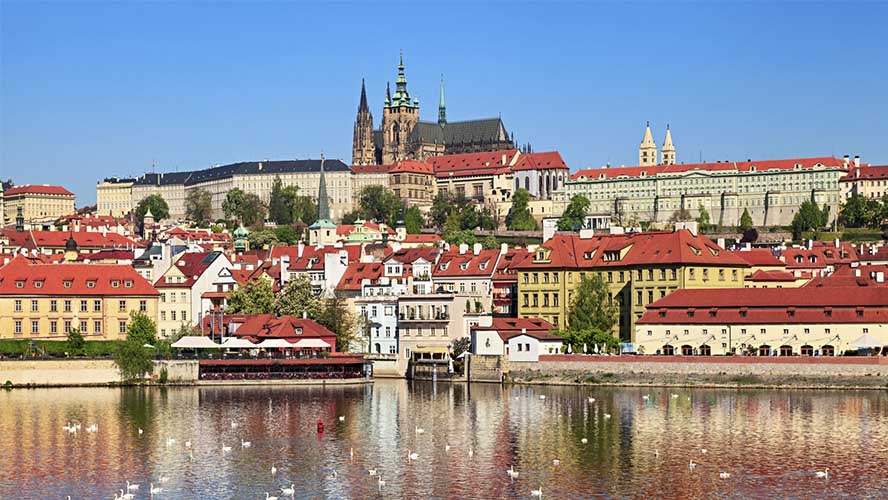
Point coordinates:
[(58, 239), (866, 173), (819, 256), (312, 256), (453, 264), (412, 166), (37, 189), (21, 275), (568, 250), (422, 238), (505, 270), (761, 257), (770, 305), (411, 255), (492, 162), (540, 161), (346, 229), (846, 276), (192, 265), (512, 327), (370, 169), (107, 255), (741, 166), (772, 276), (357, 272), (259, 327)]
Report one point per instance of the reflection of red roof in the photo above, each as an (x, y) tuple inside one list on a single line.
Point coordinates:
[(357, 272), (20, 275), (770, 305), (568, 250), (760, 257), (740, 166), (37, 189), (540, 161), (453, 264)]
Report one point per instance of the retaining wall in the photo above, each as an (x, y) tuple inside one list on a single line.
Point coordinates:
[(62, 372)]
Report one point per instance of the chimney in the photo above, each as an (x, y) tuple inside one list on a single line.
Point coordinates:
[(810, 244), (846, 160), (857, 273), (836, 242), (463, 248), (299, 249), (504, 158), (523, 331), (880, 277), (476, 248), (586, 234), (856, 161), (504, 248)]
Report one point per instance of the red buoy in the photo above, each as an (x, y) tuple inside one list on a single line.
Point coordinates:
[(320, 426)]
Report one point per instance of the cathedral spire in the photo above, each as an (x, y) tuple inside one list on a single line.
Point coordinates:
[(363, 106), (401, 97), (442, 109), (388, 93), (647, 151), (323, 201)]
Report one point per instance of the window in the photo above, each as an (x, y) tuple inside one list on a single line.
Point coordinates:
[(721, 274), (536, 301), (673, 273), (172, 296), (121, 306), (84, 306), (38, 284), (97, 305), (35, 326), (67, 326), (173, 315), (555, 299), (545, 300), (18, 327), (183, 296), (115, 284), (128, 284), (33, 305), (53, 327), (53, 305), (520, 347), (91, 284), (163, 315), (82, 326), (545, 277), (184, 315), (20, 284), (388, 331), (97, 327), (526, 299), (638, 299), (67, 284), (554, 277), (143, 306), (121, 326), (18, 305)]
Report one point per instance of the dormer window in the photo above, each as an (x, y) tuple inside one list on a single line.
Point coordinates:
[(483, 265), (588, 255), (38, 284), (20, 284), (115, 284), (91, 284), (464, 266), (298, 331), (799, 259), (611, 255), (128, 284), (444, 266), (812, 259), (67, 284)]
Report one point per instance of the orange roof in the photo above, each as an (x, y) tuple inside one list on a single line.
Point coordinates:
[(192, 265), (422, 238), (491, 162), (740, 166), (357, 272), (759, 257), (58, 239), (453, 264), (370, 169), (22, 276), (37, 189), (263, 326), (866, 173), (412, 166), (771, 276), (540, 161), (312, 256)]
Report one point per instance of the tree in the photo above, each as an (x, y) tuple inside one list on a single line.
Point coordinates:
[(75, 340), (745, 221), (574, 215), (287, 235), (245, 207), (379, 204), (682, 214), (588, 337), (413, 220), (490, 242), (256, 297), (860, 211), (303, 208), (258, 239), (703, 218), (442, 207), (519, 217), (154, 202), (592, 306), (141, 329), (297, 298), (133, 360), (335, 315), (280, 206), (351, 217), (809, 218), (199, 205)]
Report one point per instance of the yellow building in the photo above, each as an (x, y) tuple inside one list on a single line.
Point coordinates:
[(639, 268), (45, 301), (37, 202), (114, 197)]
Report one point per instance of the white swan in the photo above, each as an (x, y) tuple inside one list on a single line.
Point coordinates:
[(245, 444), (512, 472), (233, 424), (542, 396), (645, 397), (591, 400), (141, 431), (412, 456), (471, 452), (154, 490), (584, 440), (371, 472), (537, 493), (274, 470), (703, 451), (93, 428), (188, 444), (380, 483), (420, 430), (446, 446), (675, 396), (692, 465), (342, 418), (291, 491), (724, 475), (555, 461), (823, 473), (226, 449), (267, 497), (126, 496), (607, 415), (131, 487)]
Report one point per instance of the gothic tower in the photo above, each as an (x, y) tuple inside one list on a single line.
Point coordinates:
[(399, 116), (442, 110), (362, 144), (668, 150), (647, 151)]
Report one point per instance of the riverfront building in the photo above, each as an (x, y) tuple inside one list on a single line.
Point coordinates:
[(808, 321), (45, 301)]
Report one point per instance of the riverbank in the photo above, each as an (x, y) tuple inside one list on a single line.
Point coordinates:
[(705, 371)]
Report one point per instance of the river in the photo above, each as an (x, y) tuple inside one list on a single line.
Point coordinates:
[(639, 442)]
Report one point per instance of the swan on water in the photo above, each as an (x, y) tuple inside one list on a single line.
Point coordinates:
[(823, 473), (412, 456), (226, 449), (342, 418), (267, 497), (692, 465), (724, 475), (371, 472), (289, 491), (512, 472), (154, 490), (131, 487), (274, 470), (380, 482), (584, 440), (245, 444), (537, 493)]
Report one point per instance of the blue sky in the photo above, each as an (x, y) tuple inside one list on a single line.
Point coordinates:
[(90, 90)]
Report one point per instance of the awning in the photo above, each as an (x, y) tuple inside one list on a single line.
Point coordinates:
[(274, 344), (195, 342), (866, 341), (235, 343), (310, 343)]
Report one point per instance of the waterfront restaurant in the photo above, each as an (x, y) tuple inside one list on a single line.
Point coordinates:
[(806, 321)]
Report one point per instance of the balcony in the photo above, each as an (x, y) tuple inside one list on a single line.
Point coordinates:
[(441, 316)]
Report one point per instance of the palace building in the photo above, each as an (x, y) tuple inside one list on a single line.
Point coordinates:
[(403, 136)]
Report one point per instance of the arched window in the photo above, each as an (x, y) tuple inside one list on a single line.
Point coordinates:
[(668, 350), (396, 129), (687, 350), (527, 183), (517, 184)]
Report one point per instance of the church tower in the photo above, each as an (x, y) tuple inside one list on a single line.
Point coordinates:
[(647, 152), (363, 149), (399, 116), (668, 150), (442, 110)]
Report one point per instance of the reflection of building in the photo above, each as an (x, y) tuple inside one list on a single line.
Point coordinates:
[(402, 136), (638, 268), (45, 301), (39, 203), (807, 321)]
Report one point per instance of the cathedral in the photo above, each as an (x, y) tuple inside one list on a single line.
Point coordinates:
[(402, 136)]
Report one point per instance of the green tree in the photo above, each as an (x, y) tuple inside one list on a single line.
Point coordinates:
[(745, 221), (255, 297), (259, 239), (809, 218), (199, 205), (75, 341), (351, 217), (335, 315), (682, 214), (489, 242), (575, 214), (413, 220), (860, 211), (141, 329), (380, 204), (484, 219), (287, 235), (297, 298), (520, 218), (593, 307), (280, 205), (452, 224), (588, 337), (303, 208), (154, 202), (442, 206), (246, 208), (133, 360), (703, 218)]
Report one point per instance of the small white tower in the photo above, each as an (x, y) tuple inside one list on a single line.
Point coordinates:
[(647, 151), (668, 150)]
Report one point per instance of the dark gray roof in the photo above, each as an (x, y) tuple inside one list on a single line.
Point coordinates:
[(489, 130), (243, 168)]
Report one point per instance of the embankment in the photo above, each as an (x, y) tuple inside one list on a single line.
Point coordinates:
[(704, 371)]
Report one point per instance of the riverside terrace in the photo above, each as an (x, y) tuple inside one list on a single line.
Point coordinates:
[(333, 368)]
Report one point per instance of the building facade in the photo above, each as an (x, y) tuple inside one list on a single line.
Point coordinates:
[(38, 203)]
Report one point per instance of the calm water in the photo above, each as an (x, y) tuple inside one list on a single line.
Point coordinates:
[(771, 442)]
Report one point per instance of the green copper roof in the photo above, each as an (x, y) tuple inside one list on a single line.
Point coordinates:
[(442, 109), (401, 97), (323, 203)]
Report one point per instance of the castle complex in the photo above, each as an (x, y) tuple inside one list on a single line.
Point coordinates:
[(402, 136)]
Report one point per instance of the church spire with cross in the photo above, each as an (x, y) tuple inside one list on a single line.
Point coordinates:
[(442, 109)]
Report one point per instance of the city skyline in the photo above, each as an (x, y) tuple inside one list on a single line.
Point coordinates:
[(169, 90)]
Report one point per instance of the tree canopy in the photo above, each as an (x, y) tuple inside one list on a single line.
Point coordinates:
[(141, 329), (574, 215), (199, 205), (246, 208), (469, 214), (255, 297), (297, 298), (809, 218), (158, 206), (413, 220), (336, 316), (703, 218), (745, 221), (520, 218), (286, 205), (592, 306), (380, 204), (862, 211)]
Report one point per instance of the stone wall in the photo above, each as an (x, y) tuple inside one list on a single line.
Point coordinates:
[(480, 368), (177, 370), (64, 372)]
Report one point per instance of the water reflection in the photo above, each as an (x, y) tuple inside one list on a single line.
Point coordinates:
[(771, 442)]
